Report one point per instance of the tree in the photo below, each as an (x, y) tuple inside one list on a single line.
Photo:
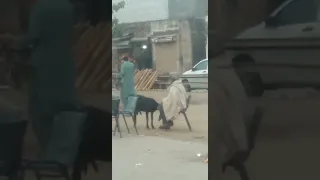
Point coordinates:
[(115, 8)]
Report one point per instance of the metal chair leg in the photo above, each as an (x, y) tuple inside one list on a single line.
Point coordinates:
[(125, 121), (187, 120), (117, 126)]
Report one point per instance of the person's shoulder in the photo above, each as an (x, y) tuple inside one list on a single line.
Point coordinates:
[(130, 64)]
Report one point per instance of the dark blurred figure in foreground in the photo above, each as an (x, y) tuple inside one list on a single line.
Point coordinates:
[(229, 120), (52, 81)]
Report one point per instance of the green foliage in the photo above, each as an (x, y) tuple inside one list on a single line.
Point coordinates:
[(116, 30), (115, 8)]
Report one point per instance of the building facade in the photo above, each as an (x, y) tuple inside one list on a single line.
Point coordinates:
[(168, 44)]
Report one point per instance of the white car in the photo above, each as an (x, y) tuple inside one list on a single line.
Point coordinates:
[(280, 52), (197, 77)]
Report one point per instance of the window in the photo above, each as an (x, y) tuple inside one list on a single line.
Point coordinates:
[(201, 66), (298, 12)]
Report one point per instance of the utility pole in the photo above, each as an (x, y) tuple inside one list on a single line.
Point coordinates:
[(180, 47)]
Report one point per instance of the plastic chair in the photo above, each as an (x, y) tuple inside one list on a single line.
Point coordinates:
[(61, 150), (129, 111), (115, 115), (12, 165)]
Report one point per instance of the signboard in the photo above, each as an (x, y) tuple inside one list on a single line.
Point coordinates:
[(164, 39)]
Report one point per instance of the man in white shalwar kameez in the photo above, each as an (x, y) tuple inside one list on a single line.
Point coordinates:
[(175, 102), (230, 110)]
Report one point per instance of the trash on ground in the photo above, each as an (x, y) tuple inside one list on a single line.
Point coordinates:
[(139, 164)]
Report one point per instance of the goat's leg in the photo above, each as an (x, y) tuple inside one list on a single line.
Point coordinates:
[(125, 121), (152, 120), (134, 118), (147, 120)]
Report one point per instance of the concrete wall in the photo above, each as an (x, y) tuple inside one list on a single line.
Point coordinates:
[(186, 45), (167, 55)]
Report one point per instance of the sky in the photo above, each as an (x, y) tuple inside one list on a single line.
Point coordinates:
[(142, 10)]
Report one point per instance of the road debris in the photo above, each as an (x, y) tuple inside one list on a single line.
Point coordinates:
[(138, 164)]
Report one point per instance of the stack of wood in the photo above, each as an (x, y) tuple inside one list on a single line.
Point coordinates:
[(93, 56), (145, 79)]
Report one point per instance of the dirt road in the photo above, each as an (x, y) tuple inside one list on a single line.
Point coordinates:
[(288, 141), (159, 154), (148, 157)]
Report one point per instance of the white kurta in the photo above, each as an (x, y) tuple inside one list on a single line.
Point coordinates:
[(229, 107), (175, 101)]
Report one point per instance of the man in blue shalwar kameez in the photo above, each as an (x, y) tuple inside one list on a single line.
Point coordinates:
[(127, 87), (52, 82)]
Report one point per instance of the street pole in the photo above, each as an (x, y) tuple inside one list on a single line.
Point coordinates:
[(180, 47)]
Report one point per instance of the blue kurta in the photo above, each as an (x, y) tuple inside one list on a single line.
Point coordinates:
[(127, 88), (53, 77)]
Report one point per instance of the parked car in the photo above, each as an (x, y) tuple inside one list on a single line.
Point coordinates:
[(197, 77), (281, 52)]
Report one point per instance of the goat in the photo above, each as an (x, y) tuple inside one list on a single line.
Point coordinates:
[(147, 105)]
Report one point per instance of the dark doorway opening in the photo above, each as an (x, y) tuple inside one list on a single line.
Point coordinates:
[(142, 54)]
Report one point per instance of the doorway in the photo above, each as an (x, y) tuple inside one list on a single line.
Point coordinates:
[(142, 54)]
